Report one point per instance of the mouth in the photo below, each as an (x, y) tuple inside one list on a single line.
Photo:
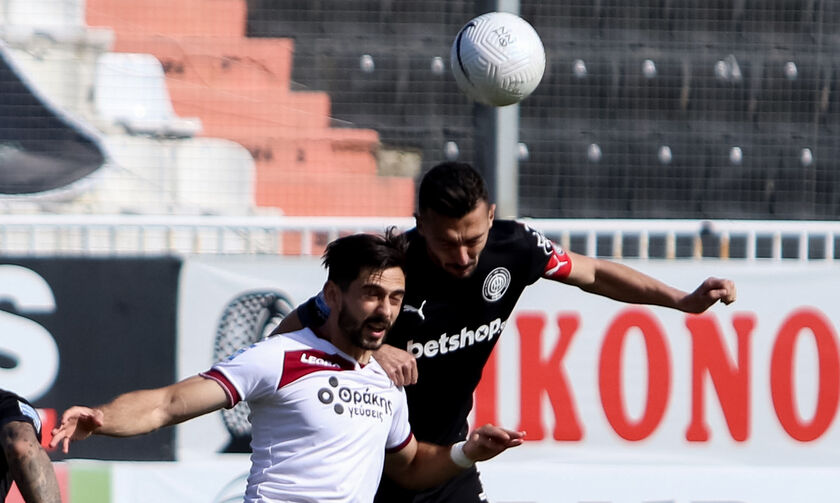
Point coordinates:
[(461, 270), (377, 329)]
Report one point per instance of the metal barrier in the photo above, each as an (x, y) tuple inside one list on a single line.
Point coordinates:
[(260, 235)]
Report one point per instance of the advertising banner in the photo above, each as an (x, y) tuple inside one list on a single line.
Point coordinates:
[(593, 380), (81, 331)]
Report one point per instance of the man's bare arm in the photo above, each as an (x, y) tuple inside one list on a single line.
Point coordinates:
[(29, 464), (140, 412), (290, 323), (625, 284)]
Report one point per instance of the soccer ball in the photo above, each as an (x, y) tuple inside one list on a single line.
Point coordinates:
[(497, 59)]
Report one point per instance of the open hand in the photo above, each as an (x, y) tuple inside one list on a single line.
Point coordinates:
[(77, 423)]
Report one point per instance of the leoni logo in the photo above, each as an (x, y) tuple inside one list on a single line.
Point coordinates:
[(495, 284), (314, 360)]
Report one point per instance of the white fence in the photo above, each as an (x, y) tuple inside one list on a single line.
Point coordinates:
[(643, 239)]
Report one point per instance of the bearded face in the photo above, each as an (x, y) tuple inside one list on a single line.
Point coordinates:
[(364, 332)]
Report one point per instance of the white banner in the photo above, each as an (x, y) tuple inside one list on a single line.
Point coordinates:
[(595, 381)]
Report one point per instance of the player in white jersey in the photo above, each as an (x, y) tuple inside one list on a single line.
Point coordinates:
[(325, 416), (310, 401)]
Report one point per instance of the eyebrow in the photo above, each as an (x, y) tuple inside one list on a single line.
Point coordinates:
[(374, 286)]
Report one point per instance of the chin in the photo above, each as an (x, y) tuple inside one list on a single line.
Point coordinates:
[(462, 273)]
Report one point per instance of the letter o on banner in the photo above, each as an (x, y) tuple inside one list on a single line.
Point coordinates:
[(781, 375), (610, 378)]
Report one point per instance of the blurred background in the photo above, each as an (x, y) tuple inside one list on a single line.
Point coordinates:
[(197, 143), (649, 109)]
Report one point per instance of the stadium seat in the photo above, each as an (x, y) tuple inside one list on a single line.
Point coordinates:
[(130, 90), (719, 87)]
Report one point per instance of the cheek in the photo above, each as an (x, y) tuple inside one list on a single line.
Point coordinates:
[(475, 250)]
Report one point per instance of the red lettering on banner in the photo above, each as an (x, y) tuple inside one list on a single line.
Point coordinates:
[(538, 375), (731, 381), (486, 393), (658, 381), (781, 374)]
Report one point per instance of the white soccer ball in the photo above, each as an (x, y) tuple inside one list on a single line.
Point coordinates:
[(498, 59)]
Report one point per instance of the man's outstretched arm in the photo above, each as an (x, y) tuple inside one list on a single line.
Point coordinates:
[(29, 464), (625, 284), (140, 412)]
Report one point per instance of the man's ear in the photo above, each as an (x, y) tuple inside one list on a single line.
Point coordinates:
[(332, 294), (492, 214)]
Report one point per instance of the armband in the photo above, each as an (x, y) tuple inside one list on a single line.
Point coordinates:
[(456, 452), (559, 265), (314, 312)]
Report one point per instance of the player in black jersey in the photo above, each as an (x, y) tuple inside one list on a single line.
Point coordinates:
[(465, 273), (24, 461)]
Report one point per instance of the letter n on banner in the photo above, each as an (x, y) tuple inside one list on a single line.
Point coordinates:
[(731, 380)]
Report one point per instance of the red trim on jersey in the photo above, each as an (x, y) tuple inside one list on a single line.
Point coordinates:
[(300, 363), (230, 389), (559, 265), (401, 446)]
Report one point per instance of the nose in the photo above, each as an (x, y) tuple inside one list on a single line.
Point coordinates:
[(383, 308), (463, 256)]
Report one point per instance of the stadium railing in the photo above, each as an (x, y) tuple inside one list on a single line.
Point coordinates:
[(108, 235)]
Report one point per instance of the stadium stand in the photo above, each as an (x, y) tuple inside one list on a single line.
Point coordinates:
[(719, 75), (321, 94)]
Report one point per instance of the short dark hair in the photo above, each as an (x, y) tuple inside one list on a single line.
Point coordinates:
[(347, 256), (451, 189)]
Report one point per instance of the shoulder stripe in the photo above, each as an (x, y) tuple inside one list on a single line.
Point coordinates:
[(298, 364)]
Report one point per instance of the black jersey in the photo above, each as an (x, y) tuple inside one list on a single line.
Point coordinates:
[(450, 325), (14, 408)]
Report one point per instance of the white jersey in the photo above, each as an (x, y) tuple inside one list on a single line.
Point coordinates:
[(320, 422)]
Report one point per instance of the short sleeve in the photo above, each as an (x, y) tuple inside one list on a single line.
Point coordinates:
[(400, 434), (250, 373), (540, 249), (15, 408)]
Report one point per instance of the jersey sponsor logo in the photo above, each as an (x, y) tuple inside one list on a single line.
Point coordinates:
[(495, 284), (357, 404), (418, 310), (450, 343), (314, 360), (298, 364)]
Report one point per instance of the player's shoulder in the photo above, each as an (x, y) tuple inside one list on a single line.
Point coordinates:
[(278, 344), (515, 234), (14, 407), (8, 395)]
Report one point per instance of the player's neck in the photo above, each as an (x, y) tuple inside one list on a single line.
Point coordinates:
[(337, 338)]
